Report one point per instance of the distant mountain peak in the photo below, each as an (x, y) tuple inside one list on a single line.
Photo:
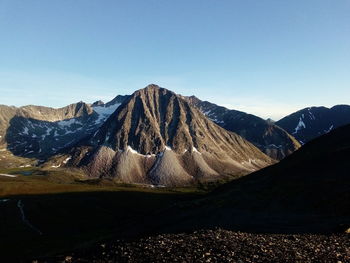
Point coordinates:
[(152, 86), (312, 122), (97, 103)]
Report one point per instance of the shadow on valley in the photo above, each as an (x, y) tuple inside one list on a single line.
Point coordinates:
[(73, 221)]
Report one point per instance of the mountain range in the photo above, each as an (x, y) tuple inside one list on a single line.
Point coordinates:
[(155, 136), (39, 132)]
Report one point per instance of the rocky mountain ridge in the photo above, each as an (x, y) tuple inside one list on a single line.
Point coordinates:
[(264, 134), (38, 132)]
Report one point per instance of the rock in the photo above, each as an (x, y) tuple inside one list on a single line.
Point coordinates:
[(220, 246)]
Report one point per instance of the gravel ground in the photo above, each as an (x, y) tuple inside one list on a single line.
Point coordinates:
[(219, 246)]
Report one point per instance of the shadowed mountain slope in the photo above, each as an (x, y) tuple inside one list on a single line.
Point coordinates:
[(310, 123), (265, 135), (39, 132)]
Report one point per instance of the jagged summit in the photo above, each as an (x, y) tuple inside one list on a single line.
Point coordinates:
[(151, 86), (117, 100), (97, 103), (156, 136)]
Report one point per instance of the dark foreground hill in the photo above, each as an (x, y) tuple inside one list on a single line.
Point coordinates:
[(308, 191)]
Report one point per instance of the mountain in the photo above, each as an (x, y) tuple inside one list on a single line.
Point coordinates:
[(158, 137), (264, 134), (312, 122), (39, 132)]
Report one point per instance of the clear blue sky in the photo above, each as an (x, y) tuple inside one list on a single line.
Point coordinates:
[(266, 57)]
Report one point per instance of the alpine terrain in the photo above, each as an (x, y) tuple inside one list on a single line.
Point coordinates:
[(158, 137), (313, 122), (265, 135), (38, 132)]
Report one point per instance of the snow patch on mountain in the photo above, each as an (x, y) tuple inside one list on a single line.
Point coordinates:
[(104, 112), (300, 125), (67, 159), (312, 116), (167, 148), (274, 146), (194, 149), (25, 131), (131, 150), (329, 129)]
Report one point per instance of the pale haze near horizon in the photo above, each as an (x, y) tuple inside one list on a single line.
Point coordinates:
[(267, 58)]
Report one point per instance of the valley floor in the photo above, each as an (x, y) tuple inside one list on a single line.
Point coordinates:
[(218, 246)]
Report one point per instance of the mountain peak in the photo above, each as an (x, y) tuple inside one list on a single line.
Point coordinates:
[(151, 89), (152, 86), (97, 103), (167, 141), (193, 100)]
